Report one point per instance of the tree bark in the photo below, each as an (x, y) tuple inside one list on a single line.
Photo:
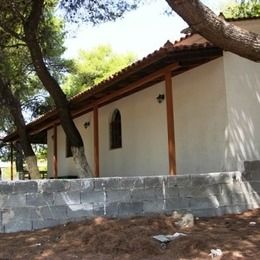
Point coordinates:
[(52, 86), (14, 106), (19, 159), (221, 33)]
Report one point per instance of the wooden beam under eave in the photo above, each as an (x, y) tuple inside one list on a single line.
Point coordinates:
[(96, 142), (170, 123), (55, 153)]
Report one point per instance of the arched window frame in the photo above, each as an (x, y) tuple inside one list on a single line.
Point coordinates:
[(116, 130)]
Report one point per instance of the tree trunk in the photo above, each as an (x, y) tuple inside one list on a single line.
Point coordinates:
[(19, 159), (80, 161), (52, 86), (14, 106), (221, 33)]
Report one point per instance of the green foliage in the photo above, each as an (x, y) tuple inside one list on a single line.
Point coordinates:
[(16, 65), (96, 11), (91, 67), (40, 151), (243, 9)]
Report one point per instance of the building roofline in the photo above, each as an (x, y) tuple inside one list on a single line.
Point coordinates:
[(167, 53)]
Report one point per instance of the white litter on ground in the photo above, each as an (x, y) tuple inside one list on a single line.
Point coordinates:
[(168, 238), (215, 252)]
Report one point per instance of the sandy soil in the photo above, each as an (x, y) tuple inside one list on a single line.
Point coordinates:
[(132, 239)]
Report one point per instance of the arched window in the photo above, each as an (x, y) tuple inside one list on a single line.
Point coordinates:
[(115, 130)]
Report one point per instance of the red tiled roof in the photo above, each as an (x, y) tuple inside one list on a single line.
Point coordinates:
[(167, 47), (239, 18), (127, 74)]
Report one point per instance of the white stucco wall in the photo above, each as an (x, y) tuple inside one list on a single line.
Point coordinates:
[(243, 101), (200, 118), (144, 135), (200, 121), (66, 165), (144, 138)]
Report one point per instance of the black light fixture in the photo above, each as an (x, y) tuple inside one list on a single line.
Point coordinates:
[(160, 98), (86, 124)]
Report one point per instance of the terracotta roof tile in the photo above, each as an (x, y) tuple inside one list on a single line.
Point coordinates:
[(239, 18), (167, 48)]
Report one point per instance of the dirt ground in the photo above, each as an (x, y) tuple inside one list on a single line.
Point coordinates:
[(132, 239)]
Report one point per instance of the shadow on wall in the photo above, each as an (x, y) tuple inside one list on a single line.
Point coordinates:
[(242, 134)]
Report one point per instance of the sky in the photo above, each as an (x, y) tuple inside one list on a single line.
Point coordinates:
[(141, 31)]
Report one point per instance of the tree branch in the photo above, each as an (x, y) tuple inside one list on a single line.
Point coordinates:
[(13, 45), (224, 35), (11, 32), (34, 18)]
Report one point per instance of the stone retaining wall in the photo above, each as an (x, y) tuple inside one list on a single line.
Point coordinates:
[(29, 205)]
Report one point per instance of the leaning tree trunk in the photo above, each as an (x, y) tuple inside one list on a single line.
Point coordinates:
[(19, 159), (14, 107), (52, 86), (223, 34)]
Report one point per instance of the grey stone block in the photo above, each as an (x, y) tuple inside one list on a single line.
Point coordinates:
[(114, 183), (111, 209), (95, 196), (15, 214), (245, 198), (132, 183), (172, 181), (6, 187), (2, 229), (200, 191), (183, 181), (233, 187), (211, 212), (147, 194), (50, 186), (39, 199), (47, 223), (100, 184), (238, 198), (25, 186), (224, 199), (172, 192), (199, 180), (176, 204), (128, 209), (228, 177), (252, 175), (12, 200), (82, 185), (154, 206), (106, 209), (80, 210), (67, 198), (255, 185), (252, 166), (236, 209), (153, 182), (18, 225), (204, 203), (118, 195), (51, 212), (99, 209), (118, 183)]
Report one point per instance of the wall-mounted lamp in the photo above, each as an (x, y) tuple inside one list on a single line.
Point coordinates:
[(86, 124), (160, 98)]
